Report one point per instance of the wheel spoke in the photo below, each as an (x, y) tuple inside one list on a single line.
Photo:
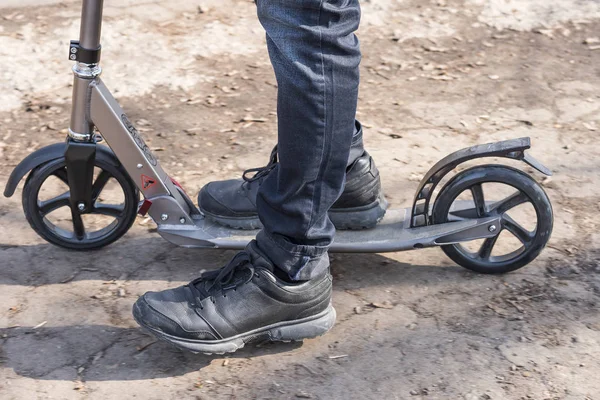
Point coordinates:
[(78, 227), (486, 248), (99, 184), (62, 175), (46, 207), (478, 199), (461, 215), (517, 230), (515, 199), (112, 210)]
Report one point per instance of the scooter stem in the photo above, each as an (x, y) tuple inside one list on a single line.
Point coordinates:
[(91, 24), (86, 53)]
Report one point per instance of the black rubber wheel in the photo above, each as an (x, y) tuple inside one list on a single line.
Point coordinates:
[(527, 191), (120, 216)]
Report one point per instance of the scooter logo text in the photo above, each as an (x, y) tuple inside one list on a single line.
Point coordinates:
[(138, 140)]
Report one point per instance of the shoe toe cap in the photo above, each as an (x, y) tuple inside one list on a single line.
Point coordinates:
[(222, 198), (149, 317), (170, 313)]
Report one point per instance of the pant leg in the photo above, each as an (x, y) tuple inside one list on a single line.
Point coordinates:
[(316, 58)]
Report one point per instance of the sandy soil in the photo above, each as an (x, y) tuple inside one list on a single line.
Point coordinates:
[(436, 76)]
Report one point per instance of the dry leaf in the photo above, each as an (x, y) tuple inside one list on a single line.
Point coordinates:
[(386, 304)]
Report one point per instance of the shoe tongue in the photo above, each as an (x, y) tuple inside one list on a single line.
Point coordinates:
[(211, 282), (210, 287), (252, 188)]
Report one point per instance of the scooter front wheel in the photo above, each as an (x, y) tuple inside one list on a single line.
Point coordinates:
[(47, 206), (489, 255)]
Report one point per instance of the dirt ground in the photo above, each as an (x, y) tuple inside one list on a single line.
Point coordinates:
[(195, 78)]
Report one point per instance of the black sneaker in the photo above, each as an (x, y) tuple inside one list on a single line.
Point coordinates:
[(233, 202), (244, 301)]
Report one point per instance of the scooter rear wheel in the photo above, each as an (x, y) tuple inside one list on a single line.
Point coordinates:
[(528, 190), (106, 221)]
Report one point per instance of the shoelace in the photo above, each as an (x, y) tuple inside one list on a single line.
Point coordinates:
[(219, 278), (261, 171)]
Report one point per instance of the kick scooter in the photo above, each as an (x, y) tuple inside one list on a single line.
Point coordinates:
[(436, 217)]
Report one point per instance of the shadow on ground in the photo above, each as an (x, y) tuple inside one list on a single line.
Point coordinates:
[(156, 259), (103, 352)]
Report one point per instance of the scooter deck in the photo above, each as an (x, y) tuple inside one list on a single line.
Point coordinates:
[(393, 233)]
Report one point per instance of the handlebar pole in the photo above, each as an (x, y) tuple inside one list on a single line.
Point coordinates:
[(91, 24)]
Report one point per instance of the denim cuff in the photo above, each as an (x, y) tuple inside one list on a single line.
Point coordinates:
[(300, 262)]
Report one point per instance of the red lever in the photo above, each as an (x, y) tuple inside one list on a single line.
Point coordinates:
[(143, 210)]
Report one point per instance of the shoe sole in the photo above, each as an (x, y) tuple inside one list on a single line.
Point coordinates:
[(288, 331), (356, 218)]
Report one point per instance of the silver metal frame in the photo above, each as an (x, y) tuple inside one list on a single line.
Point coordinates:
[(178, 220), (392, 234), (94, 107), (81, 127)]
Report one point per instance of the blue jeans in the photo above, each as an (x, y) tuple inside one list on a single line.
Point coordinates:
[(316, 58)]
